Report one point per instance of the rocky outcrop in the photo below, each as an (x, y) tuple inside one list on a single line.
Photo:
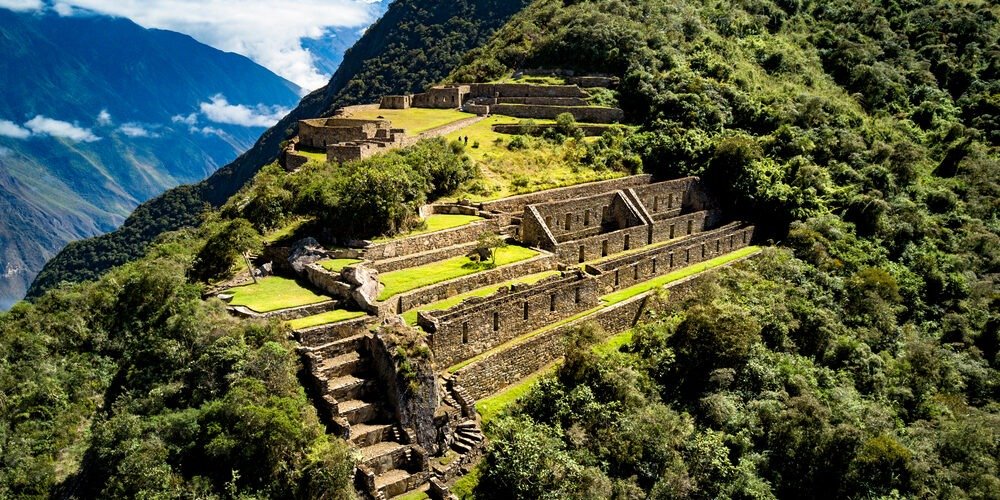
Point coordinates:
[(365, 286), (304, 252)]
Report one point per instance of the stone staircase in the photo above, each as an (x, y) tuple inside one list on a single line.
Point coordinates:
[(352, 406)]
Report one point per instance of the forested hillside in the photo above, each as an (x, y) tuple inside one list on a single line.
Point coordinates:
[(859, 358), (415, 44)]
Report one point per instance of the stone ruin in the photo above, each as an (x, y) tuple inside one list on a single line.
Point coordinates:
[(593, 238), (343, 139), (519, 100)]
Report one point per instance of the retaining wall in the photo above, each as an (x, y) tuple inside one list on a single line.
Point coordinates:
[(327, 281), (517, 203), (544, 101), (499, 370), (324, 334), (430, 241), (419, 259), (633, 269), (524, 90), (588, 114), (476, 326), (433, 293), (602, 245), (589, 130)]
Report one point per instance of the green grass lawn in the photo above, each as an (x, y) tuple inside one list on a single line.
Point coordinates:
[(319, 156), (491, 406), (414, 120), (627, 293), (404, 280), (613, 343), (337, 265), (413, 495), (330, 317), (435, 223), (274, 293), (411, 316)]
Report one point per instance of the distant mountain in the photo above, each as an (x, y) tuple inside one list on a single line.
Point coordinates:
[(416, 43), (98, 115)]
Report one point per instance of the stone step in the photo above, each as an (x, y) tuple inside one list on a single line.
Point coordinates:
[(392, 483), (368, 434), (346, 387), (460, 447), (350, 363), (384, 456), (338, 347), (470, 443), (468, 424), (357, 411), (471, 436)]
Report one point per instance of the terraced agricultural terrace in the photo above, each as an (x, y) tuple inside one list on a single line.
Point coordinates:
[(586, 253)]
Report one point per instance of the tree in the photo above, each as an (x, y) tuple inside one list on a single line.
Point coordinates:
[(488, 243)]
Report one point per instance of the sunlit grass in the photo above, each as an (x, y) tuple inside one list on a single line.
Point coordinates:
[(274, 293), (410, 317), (404, 280), (632, 291), (414, 120), (434, 223), (286, 231), (327, 318), (337, 265), (491, 406)]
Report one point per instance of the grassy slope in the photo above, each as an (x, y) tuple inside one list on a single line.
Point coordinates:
[(414, 120), (327, 318), (405, 280), (410, 317), (274, 293), (436, 222)]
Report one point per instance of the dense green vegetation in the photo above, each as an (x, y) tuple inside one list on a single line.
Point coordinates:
[(863, 361), (415, 44), (133, 387)]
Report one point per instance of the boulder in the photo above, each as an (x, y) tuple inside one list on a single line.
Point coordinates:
[(304, 252), (365, 286)]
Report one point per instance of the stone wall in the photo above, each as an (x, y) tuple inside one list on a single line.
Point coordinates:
[(294, 161), (395, 102), (444, 97), (477, 109), (517, 203), (589, 130), (501, 369), (431, 241), (490, 90), (321, 132), (324, 334), (678, 226), (422, 258), (433, 293), (587, 114), (661, 196), (632, 269), (602, 245), (566, 217), (475, 326), (327, 282), (545, 101)]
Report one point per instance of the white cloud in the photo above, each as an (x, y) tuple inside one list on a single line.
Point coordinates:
[(209, 131), (104, 118), (21, 4), (135, 130), (220, 111), (13, 130), (187, 120), (266, 31), (41, 125)]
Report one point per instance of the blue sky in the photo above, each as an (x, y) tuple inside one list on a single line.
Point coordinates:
[(266, 31)]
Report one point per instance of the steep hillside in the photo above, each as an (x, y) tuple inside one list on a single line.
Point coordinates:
[(416, 43), (98, 115), (860, 357)]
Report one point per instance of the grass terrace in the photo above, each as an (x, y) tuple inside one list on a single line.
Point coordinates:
[(274, 293), (319, 156), (410, 317), (632, 291), (287, 231), (540, 166), (337, 265), (434, 223), (404, 280), (415, 120), (327, 318), (491, 406)]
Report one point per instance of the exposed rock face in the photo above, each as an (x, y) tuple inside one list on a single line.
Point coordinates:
[(304, 252), (365, 286)]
